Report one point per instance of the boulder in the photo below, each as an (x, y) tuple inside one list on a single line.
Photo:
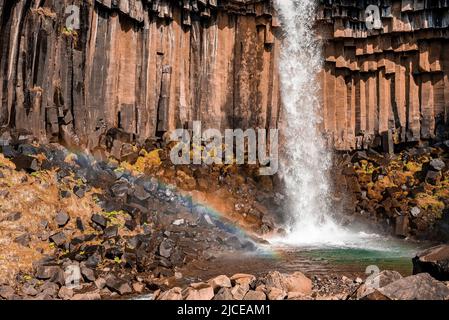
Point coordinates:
[(221, 281), (52, 273), (239, 291), (172, 294), (298, 282), (382, 279), (243, 279), (224, 294), (255, 295), (434, 261), (206, 293), (166, 248), (274, 293), (417, 287)]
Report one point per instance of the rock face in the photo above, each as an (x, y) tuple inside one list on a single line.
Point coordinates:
[(136, 68), (434, 261), (389, 84)]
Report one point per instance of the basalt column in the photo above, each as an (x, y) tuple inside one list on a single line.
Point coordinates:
[(138, 68)]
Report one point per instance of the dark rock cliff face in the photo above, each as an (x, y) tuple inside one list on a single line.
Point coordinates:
[(143, 67)]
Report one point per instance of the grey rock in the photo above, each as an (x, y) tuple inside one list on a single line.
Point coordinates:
[(437, 164), (417, 287), (6, 292), (62, 218), (23, 239), (58, 238), (118, 285), (166, 248), (99, 220)]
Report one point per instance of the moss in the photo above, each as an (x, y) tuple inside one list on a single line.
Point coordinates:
[(430, 203)]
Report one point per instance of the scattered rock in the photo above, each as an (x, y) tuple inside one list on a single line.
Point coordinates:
[(224, 294), (6, 292), (382, 279), (138, 287), (118, 285), (298, 282), (62, 218), (99, 220), (23, 239), (178, 222), (100, 283), (166, 248), (58, 238), (437, 164), (110, 232), (88, 274), (65, 293), (51, 273), (87, 296), (239, 291)]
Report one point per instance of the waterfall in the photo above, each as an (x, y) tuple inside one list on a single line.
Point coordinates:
[(306, 160)]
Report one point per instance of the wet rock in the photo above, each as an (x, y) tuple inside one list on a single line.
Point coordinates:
[(434, 261), (58, 238), (437, 164), (221, 281), (172, 294), (118, 285), (65, 293), (99, 220), (62, 218), (6, 292), (417, 287), (166, 248), (255, 295), (23, 239)]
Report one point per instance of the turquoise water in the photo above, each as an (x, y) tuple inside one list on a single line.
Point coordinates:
[(351, 261)]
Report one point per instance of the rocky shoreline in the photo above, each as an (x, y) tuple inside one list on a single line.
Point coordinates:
[(72, 227)]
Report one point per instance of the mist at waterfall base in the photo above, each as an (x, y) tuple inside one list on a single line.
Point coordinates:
[(306, 161)]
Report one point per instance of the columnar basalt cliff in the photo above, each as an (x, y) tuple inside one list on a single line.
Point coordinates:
[(144, 67), (388, 84)]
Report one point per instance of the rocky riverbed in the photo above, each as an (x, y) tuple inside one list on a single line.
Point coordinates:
[(75, 227)]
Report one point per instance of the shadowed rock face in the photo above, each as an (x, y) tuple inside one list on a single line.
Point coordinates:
[(140, 68)]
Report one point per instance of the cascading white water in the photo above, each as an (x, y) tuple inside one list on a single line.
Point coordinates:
[(306, 161)]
